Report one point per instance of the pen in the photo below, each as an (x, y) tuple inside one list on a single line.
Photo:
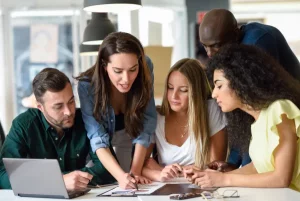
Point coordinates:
[(135, 184)]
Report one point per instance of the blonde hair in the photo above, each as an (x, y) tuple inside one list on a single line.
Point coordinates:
[(199, 93)]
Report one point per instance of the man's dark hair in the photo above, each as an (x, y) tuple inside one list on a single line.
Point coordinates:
[(49, 79)]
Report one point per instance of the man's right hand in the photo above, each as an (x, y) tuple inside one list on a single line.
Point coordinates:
[(77, 180), (221, 166)]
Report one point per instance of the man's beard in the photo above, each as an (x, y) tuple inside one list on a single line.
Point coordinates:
[(59, 124)]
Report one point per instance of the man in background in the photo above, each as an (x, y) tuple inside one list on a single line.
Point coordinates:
[(219, 27)]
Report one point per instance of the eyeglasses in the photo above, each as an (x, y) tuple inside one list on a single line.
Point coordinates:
[(230, 194), (226, 194)]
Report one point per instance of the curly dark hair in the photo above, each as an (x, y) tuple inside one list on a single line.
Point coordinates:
[(258, 80)]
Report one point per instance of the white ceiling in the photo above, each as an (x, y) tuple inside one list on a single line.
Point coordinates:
[(40, 3), (34, 4), (261, 1)]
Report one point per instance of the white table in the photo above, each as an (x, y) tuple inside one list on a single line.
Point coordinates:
[(8, 195), (246, 194)]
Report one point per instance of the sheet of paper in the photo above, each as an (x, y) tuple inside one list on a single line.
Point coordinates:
[(178, 180), (144, 189), (194, 186)]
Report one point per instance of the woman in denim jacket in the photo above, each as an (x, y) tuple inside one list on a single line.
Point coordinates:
[(118, 92)]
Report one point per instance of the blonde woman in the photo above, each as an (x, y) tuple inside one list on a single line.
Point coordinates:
[(190, 126)]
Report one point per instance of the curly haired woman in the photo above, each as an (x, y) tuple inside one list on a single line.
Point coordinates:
[(255, 91)]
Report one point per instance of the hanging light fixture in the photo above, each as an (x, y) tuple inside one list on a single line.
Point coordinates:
[(97, 29), (88, 50), (111, 5)]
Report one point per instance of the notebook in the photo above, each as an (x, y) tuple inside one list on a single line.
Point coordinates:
[(38, 178)]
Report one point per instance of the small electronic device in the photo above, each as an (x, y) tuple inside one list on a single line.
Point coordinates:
[(185, 196)]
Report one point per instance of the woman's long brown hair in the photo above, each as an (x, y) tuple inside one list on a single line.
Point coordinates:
[(140, 93)]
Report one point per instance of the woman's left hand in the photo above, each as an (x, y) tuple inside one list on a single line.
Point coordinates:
[(205, 179), (142, 180)]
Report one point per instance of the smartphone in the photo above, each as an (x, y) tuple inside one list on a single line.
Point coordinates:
[(185, 196)]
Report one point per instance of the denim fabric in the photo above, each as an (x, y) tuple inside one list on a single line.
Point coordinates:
[(273, 42), (238, 159), (99, 132)]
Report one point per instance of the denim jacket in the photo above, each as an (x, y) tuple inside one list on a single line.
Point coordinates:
[(99, 132)]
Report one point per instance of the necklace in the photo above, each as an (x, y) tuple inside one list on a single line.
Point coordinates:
[(185, 131), (185, 127)]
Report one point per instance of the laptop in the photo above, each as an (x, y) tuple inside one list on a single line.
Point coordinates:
[(38, 178)]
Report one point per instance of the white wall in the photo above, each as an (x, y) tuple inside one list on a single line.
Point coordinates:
[(284, 15), (2, 77), (170, 4), (6, 72)]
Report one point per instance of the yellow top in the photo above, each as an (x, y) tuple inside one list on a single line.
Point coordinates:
[(265, 138)]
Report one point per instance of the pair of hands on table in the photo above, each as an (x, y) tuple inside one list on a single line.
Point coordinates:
[(167, 172), (212, 176), (129, 181)]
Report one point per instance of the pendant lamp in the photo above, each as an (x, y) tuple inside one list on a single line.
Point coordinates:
[(88, 50), (97, 29), (111, 5)]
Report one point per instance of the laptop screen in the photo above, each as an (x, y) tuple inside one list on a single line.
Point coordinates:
[(35, 177)]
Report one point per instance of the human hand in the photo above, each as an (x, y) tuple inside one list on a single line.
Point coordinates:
[(142, 180), (170, 171), (186, 167), (206, 179), (77, 180), (126, 181), (221, 166), (188, 171)]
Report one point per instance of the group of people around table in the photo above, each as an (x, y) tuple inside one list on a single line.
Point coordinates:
[(245, 103)]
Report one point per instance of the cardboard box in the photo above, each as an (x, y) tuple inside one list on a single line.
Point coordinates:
[(161, 58)]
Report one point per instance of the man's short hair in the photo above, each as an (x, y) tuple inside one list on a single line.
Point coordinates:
[(49, 79)]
